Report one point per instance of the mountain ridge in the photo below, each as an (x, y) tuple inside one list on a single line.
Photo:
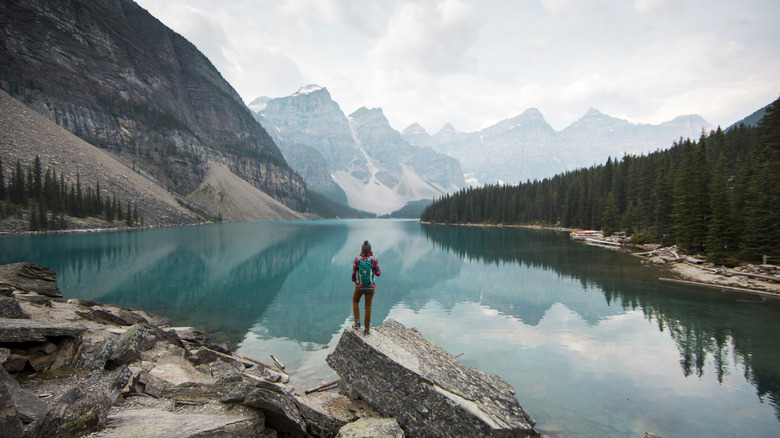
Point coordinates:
[(357, 159), (525, 146), (111, 73)]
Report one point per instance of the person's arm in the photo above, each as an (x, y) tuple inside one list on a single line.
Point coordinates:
[(375, 267), (354, 270)]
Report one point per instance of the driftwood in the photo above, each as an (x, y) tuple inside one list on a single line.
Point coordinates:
[(279, 364), (603, 242), (458, 356), (323, 387), (257, 362), (244, 360), (719, 286)]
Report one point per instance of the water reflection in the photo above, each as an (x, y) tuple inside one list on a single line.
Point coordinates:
[(496, 290), (705, 325)]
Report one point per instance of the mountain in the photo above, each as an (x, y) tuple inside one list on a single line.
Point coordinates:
[(360, 159), (753, 119), (26, 134), (112, 74), (527, 147)]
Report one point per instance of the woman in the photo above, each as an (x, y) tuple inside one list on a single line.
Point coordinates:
[(364, 268)]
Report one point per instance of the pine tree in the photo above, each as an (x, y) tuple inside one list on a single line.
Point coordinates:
[(720, 241), (762, 190), (37, 187), (128, 216)]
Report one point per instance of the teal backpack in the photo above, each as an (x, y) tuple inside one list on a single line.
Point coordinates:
[(365, 273)]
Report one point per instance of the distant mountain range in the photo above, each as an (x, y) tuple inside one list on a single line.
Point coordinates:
[(363, 161), (357, 160), (526, 147)]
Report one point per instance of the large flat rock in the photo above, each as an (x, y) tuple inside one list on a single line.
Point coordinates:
[(30, 277), (430, 393), (33, 330), (159, 423)]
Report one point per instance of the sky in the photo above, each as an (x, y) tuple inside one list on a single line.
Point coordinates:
[(473, 63)]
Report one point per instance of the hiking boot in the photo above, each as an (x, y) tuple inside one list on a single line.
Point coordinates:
[(367, 331), (357, 325)]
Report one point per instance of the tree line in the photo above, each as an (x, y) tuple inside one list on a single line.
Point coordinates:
[(719, 195), (45, 199)]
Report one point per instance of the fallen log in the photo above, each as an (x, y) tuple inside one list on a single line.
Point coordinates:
[(257, 362), (279, 364), (729, 273), (720, 286), (323, 387), (244, 360)]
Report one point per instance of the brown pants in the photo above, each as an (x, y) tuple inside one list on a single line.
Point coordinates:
[(369, 293)]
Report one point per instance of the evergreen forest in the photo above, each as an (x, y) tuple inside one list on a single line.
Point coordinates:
[(718, 195), (44, 199)]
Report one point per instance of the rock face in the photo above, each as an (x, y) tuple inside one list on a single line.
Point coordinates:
[(359, 159), (112, 74), (430, 393), (527, 147)]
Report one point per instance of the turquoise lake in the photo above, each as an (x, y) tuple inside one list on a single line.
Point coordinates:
[(593, 343)]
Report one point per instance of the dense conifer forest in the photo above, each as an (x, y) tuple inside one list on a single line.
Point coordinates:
[(45, 200), (718, 195)]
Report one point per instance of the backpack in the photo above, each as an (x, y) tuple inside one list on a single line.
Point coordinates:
[(365, 273)]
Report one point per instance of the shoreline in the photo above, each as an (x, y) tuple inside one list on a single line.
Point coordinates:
[(690, 270)]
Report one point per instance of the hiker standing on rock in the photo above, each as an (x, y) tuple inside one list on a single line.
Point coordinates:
[(364, 268)]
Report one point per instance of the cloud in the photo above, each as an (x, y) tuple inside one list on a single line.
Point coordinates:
[(429, 37), (474, 62)]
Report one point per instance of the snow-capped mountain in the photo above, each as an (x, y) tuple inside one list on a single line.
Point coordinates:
[(527, 147), (360, 160)]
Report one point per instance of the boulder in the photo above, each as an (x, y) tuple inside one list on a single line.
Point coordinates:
[(279, 405), (325, 412), (175, 377), (10, 308), (370, 427), (10, 423), (26, 406), (128, 347), (31, 278), (82, 409), (405, 376)]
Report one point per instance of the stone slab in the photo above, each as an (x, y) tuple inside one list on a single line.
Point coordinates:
[(429, 392), (31, 330), (155, 422)]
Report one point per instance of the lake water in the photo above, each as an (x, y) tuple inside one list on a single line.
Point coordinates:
[(593, 343)]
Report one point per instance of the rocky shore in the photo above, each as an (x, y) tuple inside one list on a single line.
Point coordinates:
[(82, 368), (762, 280)]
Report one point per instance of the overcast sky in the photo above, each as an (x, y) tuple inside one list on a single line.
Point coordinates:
[(474, 63)]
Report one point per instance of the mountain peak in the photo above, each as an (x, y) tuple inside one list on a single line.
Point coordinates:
[(447, 128), (414, 128), (308, 89)]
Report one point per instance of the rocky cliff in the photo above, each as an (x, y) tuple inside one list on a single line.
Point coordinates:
[(361, 155), (112, 74)]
